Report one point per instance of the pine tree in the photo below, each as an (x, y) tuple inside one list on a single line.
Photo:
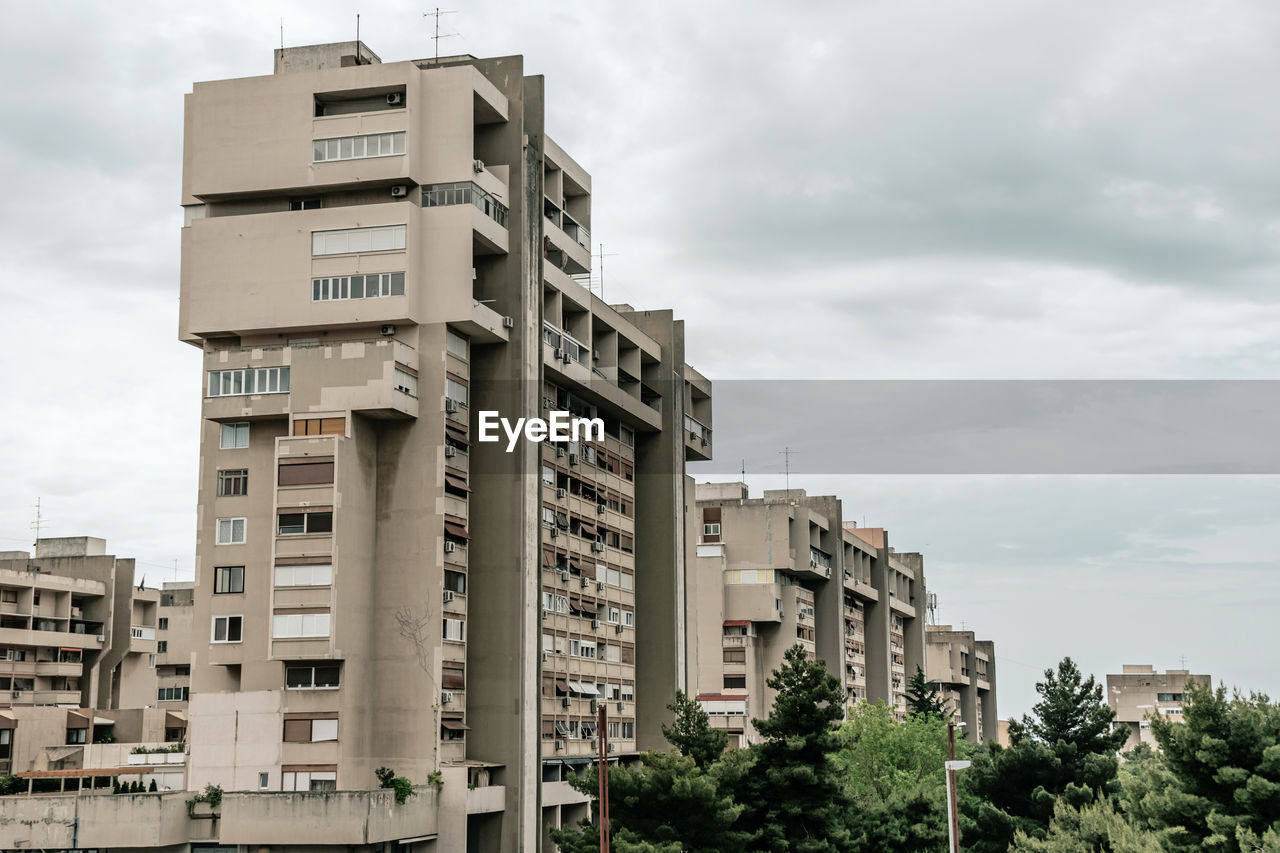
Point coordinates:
[(1071, 710), (794, 798), (923, 699), (691, 733)]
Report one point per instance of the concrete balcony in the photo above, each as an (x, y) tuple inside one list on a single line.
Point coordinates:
[(50, 697), (486, 800), (30, 637), (326, 819)]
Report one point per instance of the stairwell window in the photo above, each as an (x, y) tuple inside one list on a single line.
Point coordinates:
[(249, 380)]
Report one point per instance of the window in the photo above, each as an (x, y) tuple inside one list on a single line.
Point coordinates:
[(234, 437), (628, 692), (357, 147), (455, 344), (735, 655), (233, 482), (308, 472), (314, 575), (304, 204), (162, 647), (711, 529), (151, 661), (6, 743), (76, 735), (1168, 697), (310, 730), (306, 522), (350, 240), (453, 675), (309, 780), (318, 676), (405, 382), (369, 286), (230, 531), (455, 391), (264, 781), (9, 596), (455, 629), (228, 579), (227, 629), (173, 694), (35, 598), (320, 426), (442, 195), (249, 380), (288, 626), (455, 581), (163, 624), (735, 682)]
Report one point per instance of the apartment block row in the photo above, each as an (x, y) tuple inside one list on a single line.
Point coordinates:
[(373, 254)]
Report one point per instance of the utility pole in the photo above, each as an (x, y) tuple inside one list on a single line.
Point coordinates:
[(953, 811), (602, 718)]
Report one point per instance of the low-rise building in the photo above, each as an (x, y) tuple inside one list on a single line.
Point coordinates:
[(1139, 693)]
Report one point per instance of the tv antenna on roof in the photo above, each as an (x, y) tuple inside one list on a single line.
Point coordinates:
[(36, 525), (436, 38), (786, 455), (601, 255), (933, 608)]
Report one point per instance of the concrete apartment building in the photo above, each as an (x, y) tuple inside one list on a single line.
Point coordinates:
[(373, 253), (964, 668), (1139, 692), (783, 569)]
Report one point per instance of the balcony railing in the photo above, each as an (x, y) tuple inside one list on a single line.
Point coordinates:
[(697, 430), (819, 559), (577, 233), (142, 632), (466, 192)]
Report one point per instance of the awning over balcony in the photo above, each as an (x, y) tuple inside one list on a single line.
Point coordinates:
[(455, 725), (453, 528), (8, 720)]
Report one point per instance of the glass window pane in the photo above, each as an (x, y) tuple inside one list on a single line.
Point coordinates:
[(397, 284), (317, 152), (357, 287), (358, 241), (397, 143), (357, 147), (284, 379), (233, 629), (331, 149)]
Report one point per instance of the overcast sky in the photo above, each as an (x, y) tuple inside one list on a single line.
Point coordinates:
[(895, 190)]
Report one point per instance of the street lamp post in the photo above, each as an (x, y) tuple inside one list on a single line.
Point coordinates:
[(953, 811)]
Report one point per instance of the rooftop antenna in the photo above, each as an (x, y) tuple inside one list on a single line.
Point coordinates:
[(282, 33), (36, 525), (436, 38), (1183, 658), (601, 255), (744, 470), (357, 38), (933, 608), (786, 455)]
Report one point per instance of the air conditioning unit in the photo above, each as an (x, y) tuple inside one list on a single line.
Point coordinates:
[(595, 355), (559, 745), (617, 629), (450, 546), (399, 191), (448, 596), (573, 459), (599, 509), (599, 586), (102, 638), (562, 493), (450, 405), (395, 98), (554, 533), (446, 698), (564, 576), (544, 654), (450, 451), (17, 694), (597, 546), (560, 451), (586, 582), (595, 623), (565, 357), (594, 706), (478, 165), (387, 330), (559, 354), (692, 434), (566, 702), (613, 747), (508, 323)]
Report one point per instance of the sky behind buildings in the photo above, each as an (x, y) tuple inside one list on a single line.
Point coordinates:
[(999, 190)]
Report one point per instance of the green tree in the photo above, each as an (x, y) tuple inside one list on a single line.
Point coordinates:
[(923, 699), (1066, 749), (794, 800), (894, 777), (1096, 827), (691, 733), (1216, 785), (665, 799)]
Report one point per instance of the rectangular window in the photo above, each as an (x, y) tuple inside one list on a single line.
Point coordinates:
[(228, 579), (453, 675), (313, 575), (454, 629), (324, 730), (312, 780), (289, 626), (233, 483), (173, 694), (455, 391), (306, 522), (313, 472), (227, 629), (162, 646), (304, 204), (76, 735), (367, 286), (735, 655), (163, 624), (234, 437), (248, 380), (442, 195), (151, 661), (320, 426), (711, 529), (351, 240), (357, 147), (735, 682), (230, 531), (455, 581), (319, 676), (264, 781), (405, 382), (455, 344)]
